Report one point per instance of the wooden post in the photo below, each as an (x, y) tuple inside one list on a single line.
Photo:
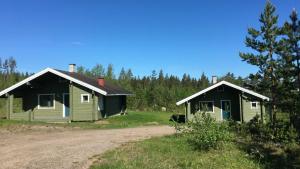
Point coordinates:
[(241, 107), (7, 107), (188, 110), (261, 111), (71, 101), (93, 109), (10, 105)]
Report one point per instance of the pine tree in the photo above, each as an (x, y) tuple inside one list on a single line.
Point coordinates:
[(110, 72), (265, 43), (122, 75), (290, 69)]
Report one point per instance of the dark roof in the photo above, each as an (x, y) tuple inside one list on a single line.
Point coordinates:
[(110, 88)]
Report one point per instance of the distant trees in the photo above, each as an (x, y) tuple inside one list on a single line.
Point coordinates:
[(156, 90), (276, 54), (8, 76)]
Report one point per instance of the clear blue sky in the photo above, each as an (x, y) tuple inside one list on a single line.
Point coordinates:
[(176, 36)]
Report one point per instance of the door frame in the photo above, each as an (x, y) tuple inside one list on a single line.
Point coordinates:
[(222, 108), (64, 107)]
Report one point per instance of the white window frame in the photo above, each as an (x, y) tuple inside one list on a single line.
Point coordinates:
[(81, 98), (254, 107), (40, 107), (213, 106)]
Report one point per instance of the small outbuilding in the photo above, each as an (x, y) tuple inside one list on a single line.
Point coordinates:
[(57, 95), (223, 101)]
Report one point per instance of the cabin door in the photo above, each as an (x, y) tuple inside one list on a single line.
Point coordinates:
[(66, 105), (225, 109)]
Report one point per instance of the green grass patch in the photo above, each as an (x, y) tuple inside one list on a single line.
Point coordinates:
[(132, 119), (173, 152)]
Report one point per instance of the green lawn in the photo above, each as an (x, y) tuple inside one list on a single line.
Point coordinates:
[(172, 152), (132, 119)]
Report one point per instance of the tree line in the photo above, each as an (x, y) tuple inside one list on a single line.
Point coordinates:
[(156, 91), (8, 76)]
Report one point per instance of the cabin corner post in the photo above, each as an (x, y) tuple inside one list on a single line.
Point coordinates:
[(71, 101), (241, 107), (188, 112), (93, 107), (7, 106), (10, 105), (261, 104)]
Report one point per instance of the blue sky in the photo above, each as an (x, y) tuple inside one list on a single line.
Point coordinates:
[(177, 36)]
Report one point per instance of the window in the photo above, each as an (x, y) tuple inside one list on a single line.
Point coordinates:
[(254, 105), (206, 106), (46, 101), (85, 98)]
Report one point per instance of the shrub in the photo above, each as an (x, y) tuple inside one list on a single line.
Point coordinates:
[(278, 132), (205, 133)]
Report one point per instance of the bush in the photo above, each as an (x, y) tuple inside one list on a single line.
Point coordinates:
[(205, 133), (278, 132)]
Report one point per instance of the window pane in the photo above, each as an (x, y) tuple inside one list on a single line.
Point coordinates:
[(206, 106), (84, 98), (46, 100)]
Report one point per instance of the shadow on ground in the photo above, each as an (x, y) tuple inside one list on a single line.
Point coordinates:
[(179, 118), (272, 156)]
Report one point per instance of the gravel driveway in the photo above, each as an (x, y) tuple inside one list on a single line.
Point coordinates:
[(66, 148)]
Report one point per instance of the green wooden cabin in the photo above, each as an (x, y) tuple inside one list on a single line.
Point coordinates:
[(56, 95), (225, 101)]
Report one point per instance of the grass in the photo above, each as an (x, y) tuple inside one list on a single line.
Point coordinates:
[(173, 152), (132, 119)]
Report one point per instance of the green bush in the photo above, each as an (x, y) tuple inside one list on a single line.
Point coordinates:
[(278, 132), (205, 133)]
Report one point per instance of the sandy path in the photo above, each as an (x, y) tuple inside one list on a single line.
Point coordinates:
[(66, 149)]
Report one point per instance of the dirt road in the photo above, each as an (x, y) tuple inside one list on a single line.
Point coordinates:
[(66, 148)]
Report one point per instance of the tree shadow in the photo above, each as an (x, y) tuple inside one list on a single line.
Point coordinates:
[(270, 155)]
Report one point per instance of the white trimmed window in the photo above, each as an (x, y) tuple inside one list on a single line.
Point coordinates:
[(206, 106), (85, 98), (254, 105), (46, 101)]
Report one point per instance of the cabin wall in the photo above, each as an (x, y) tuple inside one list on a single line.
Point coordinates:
[(114, 105), (249, 112), (30, 102), (216, 96), (83, 111)]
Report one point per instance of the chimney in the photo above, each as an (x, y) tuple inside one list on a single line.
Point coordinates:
[(72, 68), (101, 81), (214, 79)]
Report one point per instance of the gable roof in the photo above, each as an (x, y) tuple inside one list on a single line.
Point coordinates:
[(107, 90), (219, 84)]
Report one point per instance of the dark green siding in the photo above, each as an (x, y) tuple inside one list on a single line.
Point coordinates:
[(114, 105), (79, 111), (235, 98)]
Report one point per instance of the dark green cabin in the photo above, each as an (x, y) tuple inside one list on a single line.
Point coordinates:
[(56, 95), (225, 101)]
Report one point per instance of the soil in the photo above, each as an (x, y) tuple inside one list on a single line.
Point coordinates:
[(64, 148)]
